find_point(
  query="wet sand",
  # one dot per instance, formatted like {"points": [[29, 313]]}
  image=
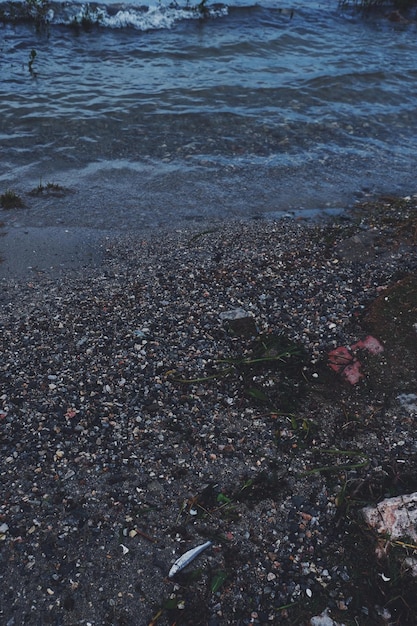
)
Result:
{"points": [[25, 251]]}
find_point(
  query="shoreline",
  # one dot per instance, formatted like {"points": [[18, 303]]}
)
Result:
{"points": [[137, 424], [27, 249]]}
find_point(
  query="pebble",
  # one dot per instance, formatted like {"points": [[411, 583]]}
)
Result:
{"points": [[114, 439]]}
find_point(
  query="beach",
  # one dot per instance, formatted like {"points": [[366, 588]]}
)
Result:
{"points": [[168, 388]]}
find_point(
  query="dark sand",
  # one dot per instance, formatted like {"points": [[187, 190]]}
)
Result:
{"points": [[135, 424]]}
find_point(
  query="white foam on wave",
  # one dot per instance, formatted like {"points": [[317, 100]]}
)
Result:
{"points": [[170, 6], [140, 18], [153, 18], [210, 4]]}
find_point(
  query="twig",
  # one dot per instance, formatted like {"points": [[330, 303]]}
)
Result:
{"points": [[145, 536]]}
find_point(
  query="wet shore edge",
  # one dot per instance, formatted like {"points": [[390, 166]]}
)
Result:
{"points": [[51, 250], [27, 251]]}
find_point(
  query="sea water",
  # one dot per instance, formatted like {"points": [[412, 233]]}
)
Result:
{"points": [[150, 114]]}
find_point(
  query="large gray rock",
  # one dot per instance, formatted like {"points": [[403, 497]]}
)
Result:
{"points": [[239, 322]]}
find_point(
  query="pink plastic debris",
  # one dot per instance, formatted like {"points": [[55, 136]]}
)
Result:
{"points": [[371, 344], [352, 373], [339, 358]]}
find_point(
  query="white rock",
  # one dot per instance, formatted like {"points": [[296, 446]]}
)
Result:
{"points": [[411, 565], [324, 620], [408, 401], [395, 517], [234, 314]]}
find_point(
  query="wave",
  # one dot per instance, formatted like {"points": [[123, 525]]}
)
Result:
{"points": [[148, 15], [116, 16]]}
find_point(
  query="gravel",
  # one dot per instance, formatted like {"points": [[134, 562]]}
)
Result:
{"points": [[137, 423]]}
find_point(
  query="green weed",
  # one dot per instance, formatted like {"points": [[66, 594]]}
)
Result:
{"points": [[31, 61], [217, 581], [11, 200], [48, 188], [275, 351], [337, 467]]}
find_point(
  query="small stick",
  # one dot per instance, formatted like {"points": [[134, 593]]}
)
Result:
{"points": [[145, 536]]}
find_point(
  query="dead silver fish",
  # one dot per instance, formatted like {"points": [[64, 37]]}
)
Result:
{"points": [[187, 557]]}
